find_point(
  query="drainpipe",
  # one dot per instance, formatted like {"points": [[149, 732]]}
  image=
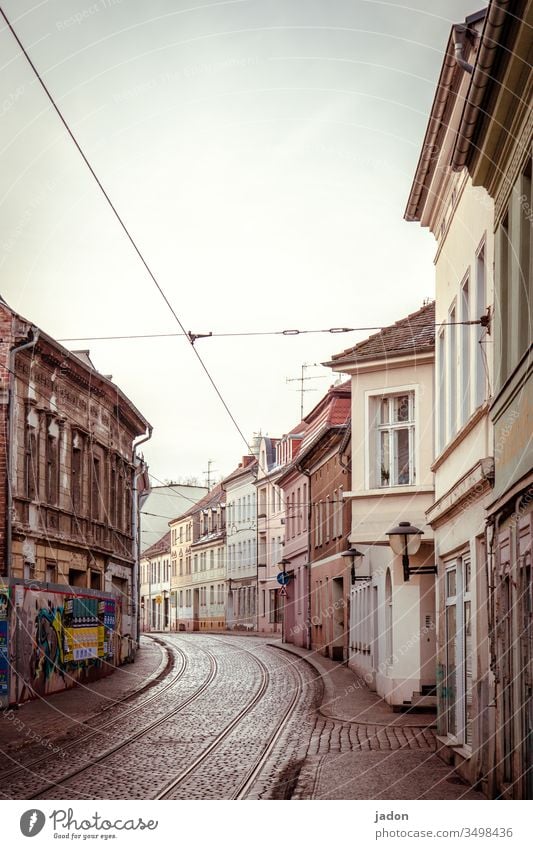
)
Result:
{"points": [[459, 33], [492, 536], [10, 462], [307, 474], [137, 536], [34, 331]]}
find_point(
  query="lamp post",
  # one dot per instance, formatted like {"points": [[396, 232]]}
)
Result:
{"points": [[350, 555], [405, 539]]}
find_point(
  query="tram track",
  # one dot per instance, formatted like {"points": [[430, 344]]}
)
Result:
{"points": [[210, 766], [79, 740], [242, 791], [245, 785], [137, 735]]}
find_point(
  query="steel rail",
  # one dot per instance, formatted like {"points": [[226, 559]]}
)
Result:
{"points": [[246, 785], [169, 665], [132, 738], [258, 695]]}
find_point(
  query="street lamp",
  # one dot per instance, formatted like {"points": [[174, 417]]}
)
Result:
{"points": [[351, 554], [405, 539]]}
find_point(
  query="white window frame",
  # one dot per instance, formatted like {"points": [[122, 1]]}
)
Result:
{"points": [[371, 457], [459, 600]]}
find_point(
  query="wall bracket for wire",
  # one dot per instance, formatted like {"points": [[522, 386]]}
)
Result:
{"points": [[486, 319], [194, 336]]}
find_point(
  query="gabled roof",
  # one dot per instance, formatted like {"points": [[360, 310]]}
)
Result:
{"points": [[162, 546], [414, 334], [249, 465], [212, 499], [331, 414], [439, 126]]}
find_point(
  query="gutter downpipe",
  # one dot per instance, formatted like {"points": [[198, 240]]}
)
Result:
{"points": [[492, 536], [10, 446], [459, 33], [137, 537], [481, 78], [307, 474], [10, 468]]}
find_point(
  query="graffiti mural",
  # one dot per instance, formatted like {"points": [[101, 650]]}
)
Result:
{"points": [[62, 639]]}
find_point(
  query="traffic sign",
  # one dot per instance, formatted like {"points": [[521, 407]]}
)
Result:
{"points": [[283, 578], [282, 591]]}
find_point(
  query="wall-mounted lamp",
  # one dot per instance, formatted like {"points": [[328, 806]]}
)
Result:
{"points": [[350, 555], [404, 540]]}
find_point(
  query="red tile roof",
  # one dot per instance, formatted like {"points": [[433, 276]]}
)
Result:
{"points": [[214, 497], [411, 335], [332, 412], [160, 547], [249, 464]]}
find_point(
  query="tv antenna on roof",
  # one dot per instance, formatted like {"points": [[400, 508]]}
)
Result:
{"points": [[303, 377]]}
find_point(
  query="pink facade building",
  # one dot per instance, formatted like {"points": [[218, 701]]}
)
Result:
{"points": [[317, 527]]}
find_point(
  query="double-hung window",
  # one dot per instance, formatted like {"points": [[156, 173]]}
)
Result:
{"points": [[393, 440]]}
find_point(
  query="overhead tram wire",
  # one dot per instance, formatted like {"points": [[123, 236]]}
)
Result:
{"points": [[191, 337], [213, 335], [188, 336]]}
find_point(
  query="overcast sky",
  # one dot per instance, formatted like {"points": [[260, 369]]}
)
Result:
{"points": [[260, 151]]}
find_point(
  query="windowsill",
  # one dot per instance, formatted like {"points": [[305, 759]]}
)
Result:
{"points": [[390, 490], [460, 748]]}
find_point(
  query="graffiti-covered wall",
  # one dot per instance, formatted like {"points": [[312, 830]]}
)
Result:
{"points": [[61, 638]]}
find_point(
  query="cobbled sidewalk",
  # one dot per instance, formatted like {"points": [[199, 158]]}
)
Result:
{"points": [[43, 723], [361, 749]]}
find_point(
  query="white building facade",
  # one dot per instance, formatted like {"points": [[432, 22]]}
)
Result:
{"points": [[241, 546], [155, 586], [460, 217], [392, 620]]}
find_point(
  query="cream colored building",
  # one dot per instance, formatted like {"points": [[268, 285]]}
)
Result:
{"points": [[392, 620], [180, 572], [460, 217], [155, 586], [198, 565]]}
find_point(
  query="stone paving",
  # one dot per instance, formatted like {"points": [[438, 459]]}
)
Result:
{"points": [[184, 729], [225, 716], [27, 730], [367, 751]]}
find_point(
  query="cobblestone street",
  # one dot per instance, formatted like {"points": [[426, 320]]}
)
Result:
{"points": [[222, 717], [227, 718]]}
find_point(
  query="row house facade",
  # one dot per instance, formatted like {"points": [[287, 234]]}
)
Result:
{"points": [[69, 552], [392, 609], [155, 586], [241, 546], [481, 123], [162, 504], [200, 591], [316, 529], [460, 216], [181, 534], [274, 455]]}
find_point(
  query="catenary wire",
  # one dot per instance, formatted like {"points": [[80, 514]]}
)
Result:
{"points": [[123, 225], [214, 335]]}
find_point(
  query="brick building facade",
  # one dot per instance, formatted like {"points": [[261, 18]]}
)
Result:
{"points": [[68, 514]]}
